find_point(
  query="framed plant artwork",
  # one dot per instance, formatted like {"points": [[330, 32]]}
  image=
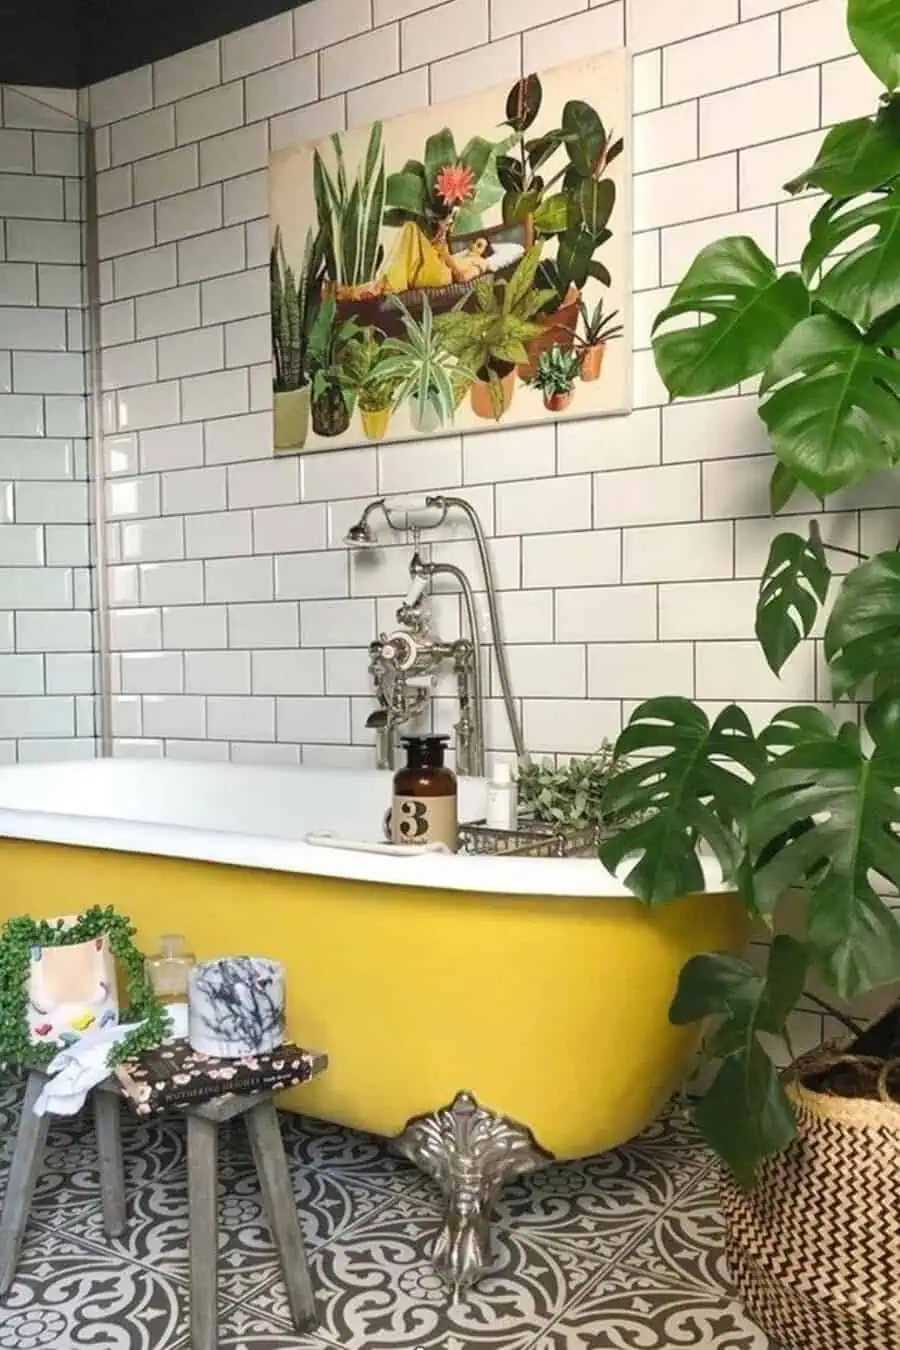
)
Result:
{"points": [[456, 268]]}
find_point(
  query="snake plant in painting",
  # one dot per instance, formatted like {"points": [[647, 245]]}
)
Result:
{"points": [[293, 309], [350, 217], [804, 805]]}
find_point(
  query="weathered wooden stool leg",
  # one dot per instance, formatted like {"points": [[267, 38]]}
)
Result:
{"points": [[203, 1146], [23, 1172], [275, 1183], [107, 1124]]}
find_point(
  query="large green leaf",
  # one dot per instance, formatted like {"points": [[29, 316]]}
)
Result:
{"points": [[689, 784], [524, 103], [856, 156], [585, 136], [553, 213], [596, 200], [875, 29], [745, 1114], [862, 636], [488, 191], [782, 486], [573, 257], [750, 310], [793, 587], [475, 154], [825, 816], [407, 192], [832, 405], [864, 283]]}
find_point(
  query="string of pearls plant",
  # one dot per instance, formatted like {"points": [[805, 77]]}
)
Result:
{"points": [[21, 934]]}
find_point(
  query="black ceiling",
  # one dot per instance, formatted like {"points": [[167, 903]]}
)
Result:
{"points": [[71, 43]]}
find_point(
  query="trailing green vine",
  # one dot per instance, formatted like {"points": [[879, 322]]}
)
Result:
{"points": [[20, 935]]}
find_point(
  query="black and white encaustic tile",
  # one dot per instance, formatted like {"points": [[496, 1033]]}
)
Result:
{"points": [[619, 1252]]}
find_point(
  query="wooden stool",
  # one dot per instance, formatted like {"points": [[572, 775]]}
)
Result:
{"points": [[203, 1123]]}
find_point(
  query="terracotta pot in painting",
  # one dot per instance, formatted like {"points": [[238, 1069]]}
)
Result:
{"points": [[592, 362], [483, 398], [558, 331], [291, 419], [557, 403]]}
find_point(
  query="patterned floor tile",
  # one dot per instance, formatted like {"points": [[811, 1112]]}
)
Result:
{"points": [[156, 1233], [625, 1310], [602, 1205], [619, 1252], [66, 1297], [243, 1329], [684, 1244], [319, 1144], [376, 1288]]}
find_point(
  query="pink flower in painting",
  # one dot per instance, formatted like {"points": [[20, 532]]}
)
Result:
{"points": [[455, 184]]}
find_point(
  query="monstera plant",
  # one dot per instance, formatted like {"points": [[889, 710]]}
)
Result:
{"points": [[811, 804]]}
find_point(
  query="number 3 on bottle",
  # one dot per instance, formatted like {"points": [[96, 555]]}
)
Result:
{"points": [[415, 819]]}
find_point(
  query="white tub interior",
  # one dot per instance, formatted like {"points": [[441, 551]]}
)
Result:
{"points": [[281, 803]]}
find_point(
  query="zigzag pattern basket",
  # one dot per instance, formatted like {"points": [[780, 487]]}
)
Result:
{"points": [[815, 1249]]}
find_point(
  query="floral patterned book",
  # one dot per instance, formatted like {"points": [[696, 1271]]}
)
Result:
{"points": [[172, 1074]]}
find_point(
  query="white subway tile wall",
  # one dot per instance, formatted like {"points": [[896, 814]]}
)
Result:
{"points": [[625, 549], [46, 628]]}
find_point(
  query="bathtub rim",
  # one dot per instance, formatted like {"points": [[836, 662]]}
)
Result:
{"points": [[584, 878]]}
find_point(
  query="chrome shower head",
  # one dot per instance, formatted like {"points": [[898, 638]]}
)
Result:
{"points": [[361, 535]]}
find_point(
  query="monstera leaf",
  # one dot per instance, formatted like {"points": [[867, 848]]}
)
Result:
{"points": [[825, 816], [841, 420], [864, 283], [875, 29], [862, 636], [749, 311], [689, 784], [856, 156], [793, 587], [745, 1114]]}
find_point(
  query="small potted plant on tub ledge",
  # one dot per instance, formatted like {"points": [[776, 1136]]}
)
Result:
{"points": [[804, 813], [555, 377]]}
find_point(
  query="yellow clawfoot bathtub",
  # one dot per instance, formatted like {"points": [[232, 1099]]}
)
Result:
{"points": [[536, 986]]}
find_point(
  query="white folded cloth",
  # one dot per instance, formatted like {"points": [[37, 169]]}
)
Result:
{"points": [[79, 1068], [324, 839]]}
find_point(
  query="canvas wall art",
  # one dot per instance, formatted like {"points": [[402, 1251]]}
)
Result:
{"points": [[457, 268]]}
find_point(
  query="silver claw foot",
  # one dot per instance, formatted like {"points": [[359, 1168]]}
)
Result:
{"points": [[471, 1153]]}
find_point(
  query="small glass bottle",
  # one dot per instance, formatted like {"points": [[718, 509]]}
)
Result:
{"points": [[502, 798], [424, 807], [169, 969]]}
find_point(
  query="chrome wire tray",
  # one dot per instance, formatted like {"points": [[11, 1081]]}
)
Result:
{"points": [[531, 839]]}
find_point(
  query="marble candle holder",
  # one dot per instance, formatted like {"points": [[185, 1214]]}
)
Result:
{"points": [[236, 1007]]}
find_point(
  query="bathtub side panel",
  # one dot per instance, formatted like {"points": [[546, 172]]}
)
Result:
{"points": [[553, 1011]]}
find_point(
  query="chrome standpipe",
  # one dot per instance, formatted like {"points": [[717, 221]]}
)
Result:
{"points": [[395, 709]]}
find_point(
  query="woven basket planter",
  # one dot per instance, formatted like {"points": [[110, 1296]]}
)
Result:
{"points": [[815, 1249]]}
